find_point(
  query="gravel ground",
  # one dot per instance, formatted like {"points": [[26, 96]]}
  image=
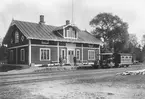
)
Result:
{"points": [[109, 87]]}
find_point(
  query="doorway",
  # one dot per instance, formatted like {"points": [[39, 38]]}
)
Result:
{"points": [[70, 56]]}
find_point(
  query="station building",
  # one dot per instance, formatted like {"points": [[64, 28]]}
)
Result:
{"points": [[39, 43]]}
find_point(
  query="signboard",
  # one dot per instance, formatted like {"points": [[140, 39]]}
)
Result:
{"points": [[44, 42], [62, 43], [91, 45], [78, 45]]}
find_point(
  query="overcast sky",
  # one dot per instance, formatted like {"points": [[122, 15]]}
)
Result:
{"points": [[57, 11]]}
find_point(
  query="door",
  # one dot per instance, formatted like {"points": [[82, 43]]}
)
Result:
{"points": [[70, 56]]}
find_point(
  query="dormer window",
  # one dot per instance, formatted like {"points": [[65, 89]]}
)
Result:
{"points": [[70, 33], [16, 37]]}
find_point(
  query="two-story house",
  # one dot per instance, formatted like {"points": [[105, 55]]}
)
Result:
{"points": [[39, 43]]}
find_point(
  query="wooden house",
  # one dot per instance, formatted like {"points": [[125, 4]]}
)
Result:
{"points": [[38, 43]]}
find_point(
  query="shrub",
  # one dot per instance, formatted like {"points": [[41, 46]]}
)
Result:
{"points": [[96, 64]]}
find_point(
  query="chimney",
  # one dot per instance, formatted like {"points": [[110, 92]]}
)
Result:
{"points": [[67, 22], [41, 19]]}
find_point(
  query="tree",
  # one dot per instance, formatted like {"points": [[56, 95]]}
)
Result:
{"points": [[133, 40], [143, 40], [143, 48], [131, 44], [112, 29], [134, 47]]}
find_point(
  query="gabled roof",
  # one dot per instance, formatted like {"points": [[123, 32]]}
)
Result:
{"points": [[46, 32], [64, 26]]}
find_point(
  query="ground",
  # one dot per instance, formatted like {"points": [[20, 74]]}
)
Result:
{"points": [[95, 84]]}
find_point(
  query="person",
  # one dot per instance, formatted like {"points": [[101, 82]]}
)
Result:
{"points": [[60, 60], [75, 60]]}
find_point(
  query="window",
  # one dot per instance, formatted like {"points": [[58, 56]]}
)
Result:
{"points": [[22, 54], [11, 55], [70, 33], [11, 41], [44, 54], [91, 55], [22, 38], [16, 37], [78, 54], [63, 53]]}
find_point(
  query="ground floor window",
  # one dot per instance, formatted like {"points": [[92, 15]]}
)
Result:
{"points": [[78, 54], [63, 53], [11, 55], [44, 54], [22, 54], [91, 55]]}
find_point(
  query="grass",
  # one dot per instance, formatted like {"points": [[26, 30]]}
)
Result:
{"points": [[5, 68]]}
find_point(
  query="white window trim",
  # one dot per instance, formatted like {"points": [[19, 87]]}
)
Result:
{"points": [[17, 39], [79, 53], [11, 55], [89, 54], [22, 57], [64, 52], [49, 54], [67, 35]]}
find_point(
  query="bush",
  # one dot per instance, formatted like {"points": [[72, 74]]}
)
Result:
{"points": [[96, 64]]}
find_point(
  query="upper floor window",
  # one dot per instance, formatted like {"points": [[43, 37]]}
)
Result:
{"points": [[70, 33], [16, 37]]}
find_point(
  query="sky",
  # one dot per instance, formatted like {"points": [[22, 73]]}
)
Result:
{"points": [[56, 12]]}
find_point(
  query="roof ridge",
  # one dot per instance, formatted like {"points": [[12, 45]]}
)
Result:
{"points": [[33, 22]]}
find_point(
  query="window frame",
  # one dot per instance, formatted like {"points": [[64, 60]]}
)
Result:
{"points": [[89, 54], [11, 55], [78, 50], [17, 36], [64, 53], [46, 54], [22, 53], [75, 34]]}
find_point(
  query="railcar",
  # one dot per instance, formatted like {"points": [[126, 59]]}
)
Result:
{"points": [[109, 60]]}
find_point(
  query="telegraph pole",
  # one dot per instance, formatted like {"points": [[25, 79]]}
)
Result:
{"points": [[72, 11]]}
